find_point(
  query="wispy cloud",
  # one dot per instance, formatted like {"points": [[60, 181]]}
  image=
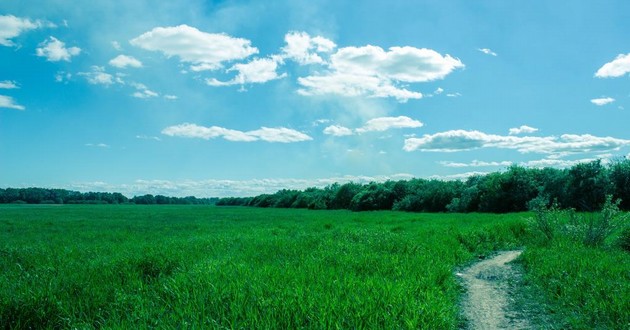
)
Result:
{"points": [[487, 51], [280, 134], [602, 101], [523, 129], [8, 84], [12, 26], [97, 145], [475, 163], [461, 140], [98, 76], [9, 102], [226, 188], [379, 124], [336, 130]]}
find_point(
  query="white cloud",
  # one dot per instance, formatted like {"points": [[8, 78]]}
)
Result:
{"points": [[55, 50], [11, 27], [374, 72], [8, 84], [461, 140], [124, 61], [336, 130], [475, 163], [602, 101], [487, 51], [523, 129], [615, 68], [170, 97], [302, 48], [353, 85], [97, 145], [257, 71], [458, 177], [98, 76], [143, 92], [204, 51], [226, 188], [62, 76], [281, 134], [453, 95], [146, 137], [386, 123], [8, 102], [439, 91], [116, 45]]}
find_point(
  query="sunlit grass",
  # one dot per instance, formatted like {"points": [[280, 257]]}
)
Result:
{"points": [[184, 266]]}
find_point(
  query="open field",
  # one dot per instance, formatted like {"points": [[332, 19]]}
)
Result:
{"points": [[197, 266]]}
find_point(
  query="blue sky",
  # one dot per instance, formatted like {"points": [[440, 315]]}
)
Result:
{"points": [[229, 98]]}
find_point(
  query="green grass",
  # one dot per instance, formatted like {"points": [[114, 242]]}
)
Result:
{"points": [[187, 266], [132, 266]]}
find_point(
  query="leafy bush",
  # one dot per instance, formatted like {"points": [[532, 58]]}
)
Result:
{"points": [[592, 229], [624, 239]]}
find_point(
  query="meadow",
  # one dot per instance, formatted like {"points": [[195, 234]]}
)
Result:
{"points": [[177, 266]]}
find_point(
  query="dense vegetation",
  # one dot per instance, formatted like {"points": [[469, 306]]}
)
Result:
{"points": [[130, 266], [583, 187], [63, 196]]}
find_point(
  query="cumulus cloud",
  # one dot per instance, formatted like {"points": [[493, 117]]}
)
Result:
{"points": [[202, 50], [55, 50], [487, 51], [461, 140], [374, 72], [9, 102], [602, 101], [336, 130], [98, 76], [124, 61], [615, 68], [523, 129], [8, 84], [11, 27], [304, 49], [257, 71], [280, 134]]}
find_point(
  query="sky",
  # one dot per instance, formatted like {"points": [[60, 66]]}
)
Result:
{"points": [[239, 98]]}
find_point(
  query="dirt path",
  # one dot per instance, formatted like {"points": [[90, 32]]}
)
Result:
{"points": [[488, 303]]}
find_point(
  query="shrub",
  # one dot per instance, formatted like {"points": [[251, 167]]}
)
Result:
{"points": [[624, 239]]}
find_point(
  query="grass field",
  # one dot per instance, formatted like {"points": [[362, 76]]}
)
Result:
{"points": [[206, 267]]}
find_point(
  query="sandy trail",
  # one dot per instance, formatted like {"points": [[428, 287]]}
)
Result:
{"points": [[488, 303]]}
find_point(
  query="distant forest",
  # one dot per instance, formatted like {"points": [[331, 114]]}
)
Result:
{"points": [[62, 196], [583, 187]]}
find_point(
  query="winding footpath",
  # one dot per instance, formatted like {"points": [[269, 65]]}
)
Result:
{"points": [[488, 303]]}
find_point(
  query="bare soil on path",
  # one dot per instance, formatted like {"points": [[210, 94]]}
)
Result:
{"points": [[489, 301]]}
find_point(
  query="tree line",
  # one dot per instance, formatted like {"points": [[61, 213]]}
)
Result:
{"points": [[63, 196], [583, 187]]}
